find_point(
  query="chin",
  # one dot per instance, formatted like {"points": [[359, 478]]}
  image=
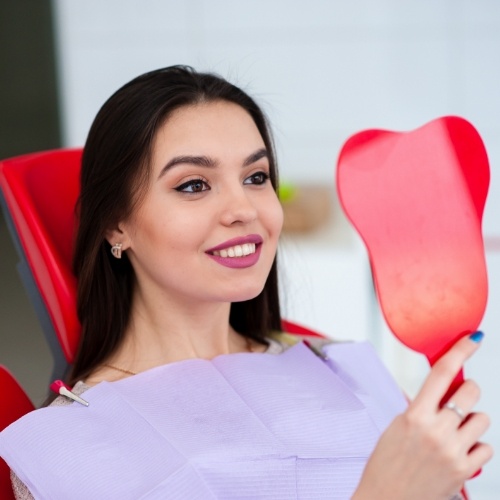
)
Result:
{"points": [[246, 294]]}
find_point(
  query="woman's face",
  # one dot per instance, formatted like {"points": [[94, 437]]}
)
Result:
{"points": [[208, 227]]}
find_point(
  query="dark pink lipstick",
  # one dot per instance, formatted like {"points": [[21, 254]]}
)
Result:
{"points": [[252, 242]]}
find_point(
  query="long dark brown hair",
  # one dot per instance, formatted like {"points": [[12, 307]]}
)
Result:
{"points": [[114, 177]]}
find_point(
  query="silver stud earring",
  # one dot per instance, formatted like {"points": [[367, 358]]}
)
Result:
{"points": [[116, 250]]}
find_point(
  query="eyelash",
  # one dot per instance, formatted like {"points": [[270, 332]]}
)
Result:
{"points": [[190, 184], [259, 178], [264, 175]]}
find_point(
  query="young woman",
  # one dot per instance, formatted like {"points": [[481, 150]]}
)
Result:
{"points": [[193, 390]]}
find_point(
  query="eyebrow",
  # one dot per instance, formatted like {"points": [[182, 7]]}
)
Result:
{"points": [[255, 157], [207, 162]]}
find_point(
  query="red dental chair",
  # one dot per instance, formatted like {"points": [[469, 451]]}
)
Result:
{"points": [[38, 194], [14, 403]]}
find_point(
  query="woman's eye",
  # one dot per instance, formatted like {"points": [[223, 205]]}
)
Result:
{"points": [[193, 186], [257, 178]]}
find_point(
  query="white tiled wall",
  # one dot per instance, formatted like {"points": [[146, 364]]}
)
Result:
{"points": [[323, 69]]}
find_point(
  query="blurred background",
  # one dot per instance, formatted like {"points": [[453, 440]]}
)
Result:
{"points": [[323, 70]]}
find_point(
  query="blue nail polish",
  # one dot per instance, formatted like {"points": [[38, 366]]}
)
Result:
{"points": [[476, 336]]}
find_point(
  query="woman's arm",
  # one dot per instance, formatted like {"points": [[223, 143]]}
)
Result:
{"points": [[428, 451]]}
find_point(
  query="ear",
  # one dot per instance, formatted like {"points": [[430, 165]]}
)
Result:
{"points": [[118, 235]]}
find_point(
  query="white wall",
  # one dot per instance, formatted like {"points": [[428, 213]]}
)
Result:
{"points": [[323, 69]]}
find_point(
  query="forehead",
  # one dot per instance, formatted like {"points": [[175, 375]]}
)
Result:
{"points": [[208, 128]]}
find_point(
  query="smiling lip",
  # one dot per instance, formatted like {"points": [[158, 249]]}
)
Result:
{"points": [[241, 240], [238, 262]]}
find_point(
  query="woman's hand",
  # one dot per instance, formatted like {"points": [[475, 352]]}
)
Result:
{"points": [[429, 452]]}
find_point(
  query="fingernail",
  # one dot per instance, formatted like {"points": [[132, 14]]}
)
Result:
{"points": [[476, 336]]}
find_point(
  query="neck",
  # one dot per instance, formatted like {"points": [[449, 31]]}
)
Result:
{"points": [[165, 329], [175, 331]]}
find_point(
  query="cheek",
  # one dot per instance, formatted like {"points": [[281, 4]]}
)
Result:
{"points": [[178, 233], [154, 234], [274, 216]]}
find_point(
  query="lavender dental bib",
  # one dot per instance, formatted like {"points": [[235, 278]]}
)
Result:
{"points": [[254, 426]]}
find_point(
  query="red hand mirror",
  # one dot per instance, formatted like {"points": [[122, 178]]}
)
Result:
{"points": [[417, 199]]}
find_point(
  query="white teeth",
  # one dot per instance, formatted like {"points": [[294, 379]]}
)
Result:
{"points": [[236, 251]]}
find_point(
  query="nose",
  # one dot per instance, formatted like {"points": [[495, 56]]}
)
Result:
{"points": [[237, 207]]}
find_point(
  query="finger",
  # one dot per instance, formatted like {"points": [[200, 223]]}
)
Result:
{"points": [[478, 456], [445, 369], [462, 402], [473, 428]]}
